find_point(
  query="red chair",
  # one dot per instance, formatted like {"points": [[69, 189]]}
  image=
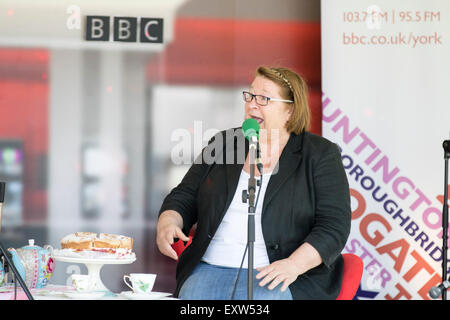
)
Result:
{"points": [[353, 270]]}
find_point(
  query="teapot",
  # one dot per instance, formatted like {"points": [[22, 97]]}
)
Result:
{"points": [[34, 264], [2, 274]]}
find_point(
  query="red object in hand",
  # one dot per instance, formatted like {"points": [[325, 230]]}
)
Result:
{"points": [[179, 245]]}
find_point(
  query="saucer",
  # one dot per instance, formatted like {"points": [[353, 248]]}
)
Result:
{"points": [[84, 295], [144, 296]]}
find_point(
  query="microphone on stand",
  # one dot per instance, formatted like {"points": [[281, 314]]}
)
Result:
{"points": [[436, 292], [446, 145], [441, 289], [250, 127]]}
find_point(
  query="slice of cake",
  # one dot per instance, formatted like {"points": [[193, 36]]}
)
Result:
{"points": [[107, 241], [78, 241], [126, 242], [91, 241]]}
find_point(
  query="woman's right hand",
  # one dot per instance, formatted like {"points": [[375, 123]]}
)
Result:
{"points": [[168, 228]]}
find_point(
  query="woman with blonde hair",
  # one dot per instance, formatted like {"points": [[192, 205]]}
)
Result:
{"points": [[302, 218]]}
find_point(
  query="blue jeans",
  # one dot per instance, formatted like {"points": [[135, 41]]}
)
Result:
{"points": [[210, 282]]}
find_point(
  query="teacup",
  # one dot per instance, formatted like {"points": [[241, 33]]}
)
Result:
{"points": [[82, 282], [140, 282]]}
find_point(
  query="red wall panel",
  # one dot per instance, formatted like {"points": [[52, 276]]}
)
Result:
{"points": [[24, 116], [227, 52]]}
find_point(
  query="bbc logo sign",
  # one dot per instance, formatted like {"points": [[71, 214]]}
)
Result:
{"points": [[125, 29]]}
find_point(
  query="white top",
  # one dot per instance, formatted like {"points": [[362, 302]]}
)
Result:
{"points": [[229, 242]]}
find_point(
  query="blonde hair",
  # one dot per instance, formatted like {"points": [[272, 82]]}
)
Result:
{"points": [[292, 87]]}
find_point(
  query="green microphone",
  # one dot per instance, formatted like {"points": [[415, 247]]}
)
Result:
{"points": [[250, 127]]}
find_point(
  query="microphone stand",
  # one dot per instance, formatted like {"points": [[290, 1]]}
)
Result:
{"points": [[446, 146], [441, 289], [249, 195], [5, 255], [251, 218], [17, 278]]}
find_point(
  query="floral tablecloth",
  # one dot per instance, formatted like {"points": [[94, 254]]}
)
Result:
{"points": [[55, 291], [61, 292]]}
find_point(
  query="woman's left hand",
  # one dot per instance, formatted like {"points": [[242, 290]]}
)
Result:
{"points": [[284, 270]]}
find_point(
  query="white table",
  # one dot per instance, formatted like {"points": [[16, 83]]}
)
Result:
{"points": [[62, 292]]}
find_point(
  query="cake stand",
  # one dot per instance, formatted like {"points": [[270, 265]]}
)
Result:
{"points": [[94, 267]]}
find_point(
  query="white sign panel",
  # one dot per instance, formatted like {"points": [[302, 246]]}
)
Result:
{"points": [[386, 103]]}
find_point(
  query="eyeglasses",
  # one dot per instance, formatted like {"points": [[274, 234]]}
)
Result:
{"points": [[261, 100]]}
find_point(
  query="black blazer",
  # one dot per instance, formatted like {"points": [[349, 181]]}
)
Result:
{"points": [[307, 200]]}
